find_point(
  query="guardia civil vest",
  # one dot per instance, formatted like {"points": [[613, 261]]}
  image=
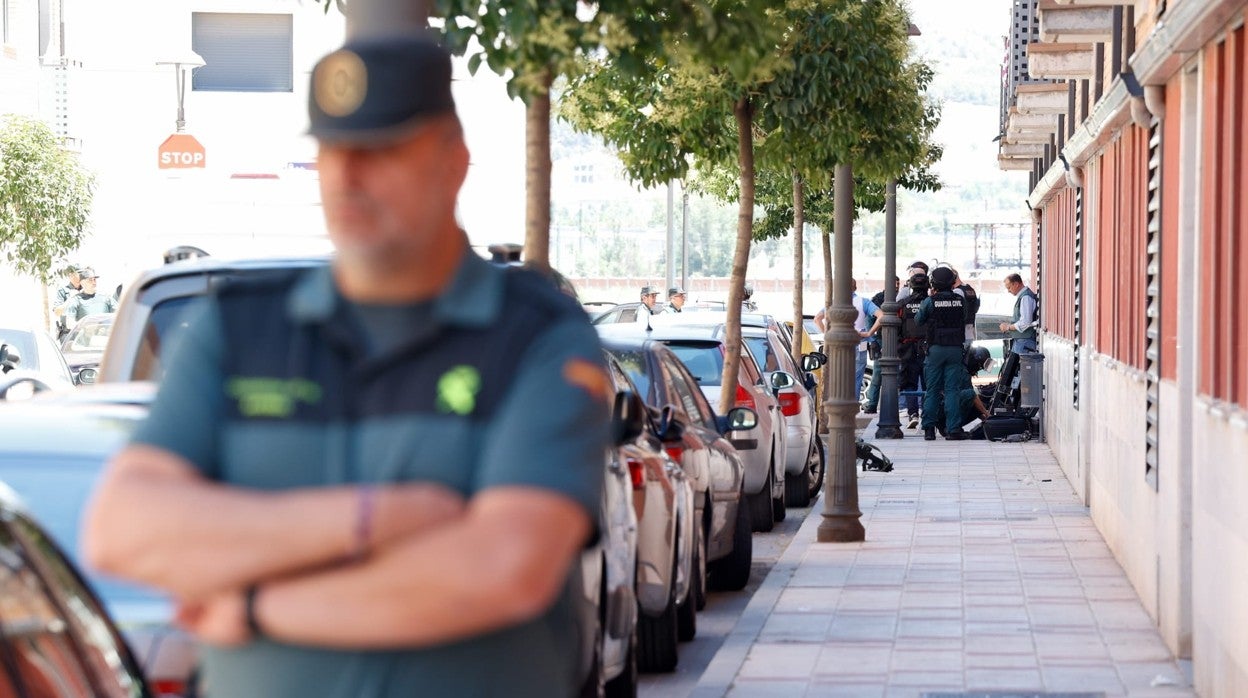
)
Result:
{"points": [[946, 324]]}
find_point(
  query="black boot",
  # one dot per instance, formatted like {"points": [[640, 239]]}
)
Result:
{"points": [[957, 435], [929, 433]]}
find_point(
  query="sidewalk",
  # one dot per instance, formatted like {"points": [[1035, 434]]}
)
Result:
{"points": [[981, 573]]}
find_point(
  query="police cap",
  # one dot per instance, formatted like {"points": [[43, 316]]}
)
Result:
{"points": [[375, 91], [649, 291], [942, 278], [87, 273], [675, 291]]}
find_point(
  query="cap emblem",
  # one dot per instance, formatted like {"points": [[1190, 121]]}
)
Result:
{"points": [[340, 83]]}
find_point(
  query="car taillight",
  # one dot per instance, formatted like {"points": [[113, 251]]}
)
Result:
{"points": [[790, 404], [744, 397], [675, 452], [168, 687], [637, 471]]}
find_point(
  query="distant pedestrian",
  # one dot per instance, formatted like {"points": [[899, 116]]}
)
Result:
{"points": [[747, 294], [88, 301], [874, 347], [675, 299], [1022, 326]]}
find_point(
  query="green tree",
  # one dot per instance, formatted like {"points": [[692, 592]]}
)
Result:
{"points": [[534, 43], [45, 198]]}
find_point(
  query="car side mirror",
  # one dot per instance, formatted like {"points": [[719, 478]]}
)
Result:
{"points": [[740, 419], [669, 428], [809, 381], [10, 357], [781, 380], [628, 419], [86, 376], [814, 360]]}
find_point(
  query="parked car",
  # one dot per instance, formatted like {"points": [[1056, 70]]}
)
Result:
{"points": [[694, 435], [58, 638], [762, 447], [30, 362], [55, 475], [663, 499], [804, 464], [84, 346]]}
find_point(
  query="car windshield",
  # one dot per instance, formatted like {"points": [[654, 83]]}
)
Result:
{"points": [[55, 490], [705, 360], [89, 335]]}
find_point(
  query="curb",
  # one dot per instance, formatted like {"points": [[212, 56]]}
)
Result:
{"points": [[728, 660]]}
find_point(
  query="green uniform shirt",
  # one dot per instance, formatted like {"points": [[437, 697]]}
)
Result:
{"points": [[461, 402]]}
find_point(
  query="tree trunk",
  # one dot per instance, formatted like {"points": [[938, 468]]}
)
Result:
{"points": [[744, 113], [537, 176], [827, 265], [799, 252]]}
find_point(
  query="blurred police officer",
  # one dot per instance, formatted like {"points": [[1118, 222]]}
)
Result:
{"points": [[73, 284], [371, 479], [912, 342], [944, 371], [747, 294], [650, 300], [88, 301], [675, 299]]}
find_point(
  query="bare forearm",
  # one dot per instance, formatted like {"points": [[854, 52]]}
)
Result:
{"points": [[469, 578], [192, 537]]}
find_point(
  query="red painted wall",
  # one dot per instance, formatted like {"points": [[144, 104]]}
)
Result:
{"points": [[1170, 174]]}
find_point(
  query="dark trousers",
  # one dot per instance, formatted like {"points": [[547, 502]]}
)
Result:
{"points": [[944, 367]]}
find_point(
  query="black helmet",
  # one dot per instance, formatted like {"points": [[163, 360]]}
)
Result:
{"points": [[978, 359], [943, 278]]}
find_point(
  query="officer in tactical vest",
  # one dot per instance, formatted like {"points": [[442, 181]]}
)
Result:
{"points": [[912, 346], [944, 313], [1022, 326]]}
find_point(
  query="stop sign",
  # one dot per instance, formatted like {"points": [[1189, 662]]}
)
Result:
{"points": [[180, 151]]}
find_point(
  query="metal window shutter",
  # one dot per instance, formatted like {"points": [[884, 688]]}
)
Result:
{"points": [[243, 52]]}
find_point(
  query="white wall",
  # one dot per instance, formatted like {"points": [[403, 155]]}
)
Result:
{"points": [[1220, 551], [1063, 425]]}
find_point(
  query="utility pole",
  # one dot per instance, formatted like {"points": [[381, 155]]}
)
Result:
{"points": [[684, 239], [671, 234]]}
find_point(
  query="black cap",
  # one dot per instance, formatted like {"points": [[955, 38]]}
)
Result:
{"points": [[942, 278], [374, 91]]}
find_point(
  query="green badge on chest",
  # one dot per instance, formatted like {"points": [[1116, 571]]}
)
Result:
{"points": [[272, 397], [457, 390]]}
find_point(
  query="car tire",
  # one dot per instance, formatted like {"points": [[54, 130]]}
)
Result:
{"points": [[762, 518], [797, 487], [687, 616], [625, 685], [817, 469], [777, 503], [732, 572], [657, 637]]}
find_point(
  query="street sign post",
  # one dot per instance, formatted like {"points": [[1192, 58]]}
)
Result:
{"points": [[181, 151]]}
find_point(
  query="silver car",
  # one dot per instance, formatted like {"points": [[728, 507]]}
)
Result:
{"points": [[762, 448]]}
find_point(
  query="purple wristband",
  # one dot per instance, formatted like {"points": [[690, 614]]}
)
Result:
{"points": [[364, 521]]}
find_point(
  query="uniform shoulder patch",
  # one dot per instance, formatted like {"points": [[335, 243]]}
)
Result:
{"points": [[589, 377]]}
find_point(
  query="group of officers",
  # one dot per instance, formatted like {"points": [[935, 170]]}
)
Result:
{"points": [[78, 298], [938, 358]]}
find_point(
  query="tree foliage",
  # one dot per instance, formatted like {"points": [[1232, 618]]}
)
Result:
{"points": [[45, 197]]}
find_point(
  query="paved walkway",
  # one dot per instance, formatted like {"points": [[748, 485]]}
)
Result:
{"points": [[981, 573]]}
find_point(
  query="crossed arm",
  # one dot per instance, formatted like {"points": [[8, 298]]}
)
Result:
{"points": [[157, 521]]}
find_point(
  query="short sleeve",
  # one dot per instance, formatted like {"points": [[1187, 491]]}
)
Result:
{"points": [[186, 414], [552, 429]]}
